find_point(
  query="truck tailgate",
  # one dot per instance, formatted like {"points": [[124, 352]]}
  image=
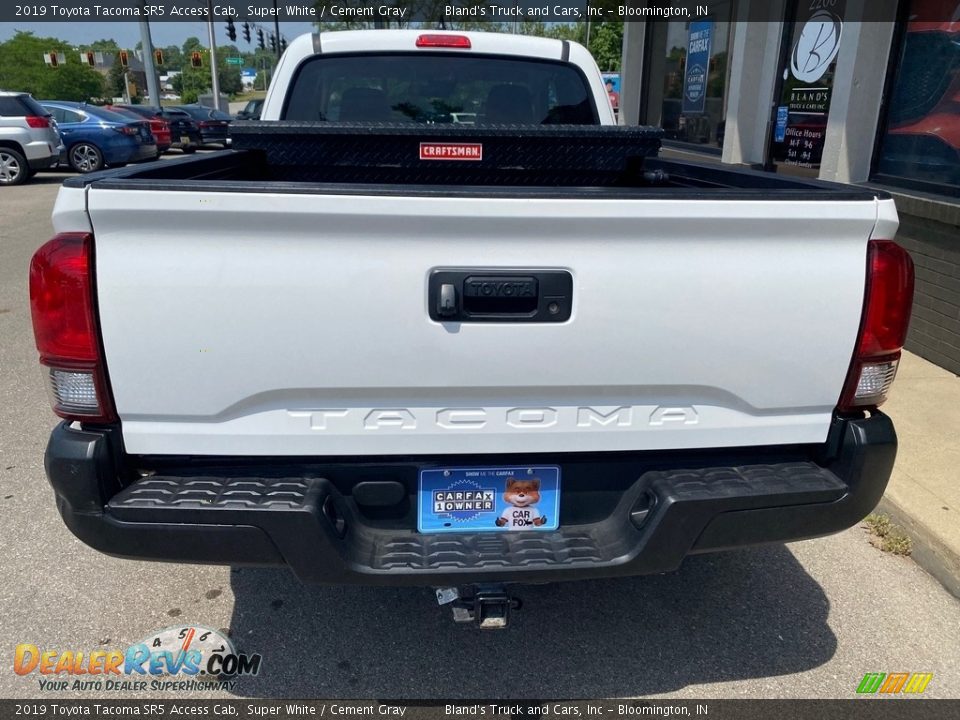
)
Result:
{"points": [[297, 324]]}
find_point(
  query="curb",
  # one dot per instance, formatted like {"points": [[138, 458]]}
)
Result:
{"points": [[929, 551]]}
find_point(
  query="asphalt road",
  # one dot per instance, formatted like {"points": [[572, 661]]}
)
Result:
{"points": [[805, 620]]}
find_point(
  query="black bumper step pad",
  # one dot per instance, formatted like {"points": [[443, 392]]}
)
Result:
{"points": [[295, 514]]}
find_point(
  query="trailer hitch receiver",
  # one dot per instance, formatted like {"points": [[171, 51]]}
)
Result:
{"points": [[485, 606]]}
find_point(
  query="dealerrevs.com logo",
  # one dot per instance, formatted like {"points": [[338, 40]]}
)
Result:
{"points": [[174, 658]]}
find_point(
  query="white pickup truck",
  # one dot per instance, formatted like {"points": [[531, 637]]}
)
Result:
{"points": [[436, 320]]}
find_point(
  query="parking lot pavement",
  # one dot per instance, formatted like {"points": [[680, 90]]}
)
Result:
{"points": [[805, 620]]}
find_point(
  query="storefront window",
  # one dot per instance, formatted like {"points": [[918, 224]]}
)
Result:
{"points": [[921, 144], [806, 87], [691, 58]]}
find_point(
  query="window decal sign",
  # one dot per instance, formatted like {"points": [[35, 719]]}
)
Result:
{"points": [[804, 103], [698, 66]]}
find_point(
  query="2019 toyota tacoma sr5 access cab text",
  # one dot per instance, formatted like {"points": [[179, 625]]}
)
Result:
{"points": [[379, 345]]}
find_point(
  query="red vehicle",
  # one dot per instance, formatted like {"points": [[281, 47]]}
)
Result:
{"points": [[924, 132], [159, 128]]}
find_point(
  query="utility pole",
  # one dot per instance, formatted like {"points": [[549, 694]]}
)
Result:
{"points": [[276, 27], [215, 80], [153, 87]]}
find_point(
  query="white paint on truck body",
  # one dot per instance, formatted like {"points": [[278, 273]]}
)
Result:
{"points": [[270, 323], [296, 324]]}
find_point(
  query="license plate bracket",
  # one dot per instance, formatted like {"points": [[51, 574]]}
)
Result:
{"points": [[501, 498]]}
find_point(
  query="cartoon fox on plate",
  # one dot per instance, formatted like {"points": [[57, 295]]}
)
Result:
{"points": [[521, 496]]}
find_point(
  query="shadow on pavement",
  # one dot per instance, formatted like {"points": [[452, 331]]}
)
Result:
{"points": [[748, 614], [52, 178]]}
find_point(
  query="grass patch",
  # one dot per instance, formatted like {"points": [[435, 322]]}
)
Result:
{"points": [[887, 536]]}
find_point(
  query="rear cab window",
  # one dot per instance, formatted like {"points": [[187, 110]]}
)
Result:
{"points": [[430, 88]]}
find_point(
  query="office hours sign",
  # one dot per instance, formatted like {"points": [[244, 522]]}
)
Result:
{"points": [[800, 128]]}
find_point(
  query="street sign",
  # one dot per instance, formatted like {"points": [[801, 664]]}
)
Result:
{"points": [[234, 61]]}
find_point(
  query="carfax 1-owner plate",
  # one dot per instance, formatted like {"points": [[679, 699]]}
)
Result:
{"points": [[489, 499]]}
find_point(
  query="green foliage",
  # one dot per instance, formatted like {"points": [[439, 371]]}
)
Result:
{"points": [[22, 67], [230, 82], [172, 59], [192, 82], [115, 79], [887, 536], [606, 44], [106, 46], [190, 45]]}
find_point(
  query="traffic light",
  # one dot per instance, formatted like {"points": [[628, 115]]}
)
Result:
{"points": [[89, 58], [273, 42], [283, 44], [158, 56], [124, 58], [260, 38], [196, 59], [246, 31], [231, 31]]}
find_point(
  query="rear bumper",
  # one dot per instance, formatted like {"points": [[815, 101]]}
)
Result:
{"points": [[43, 163], [621, 514]]}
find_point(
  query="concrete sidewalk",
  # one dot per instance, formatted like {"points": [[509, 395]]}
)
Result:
{"points": [[924, 493]]}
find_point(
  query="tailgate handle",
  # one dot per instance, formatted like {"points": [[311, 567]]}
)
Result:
{"points": [[477, 295], [500, 294]]}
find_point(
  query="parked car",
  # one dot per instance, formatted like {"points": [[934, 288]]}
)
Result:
{"points": [[29, 140], [214, 124], [159, 127], [520, 403], [94, 136], [923, 138], [184, 133], [251, 111]]}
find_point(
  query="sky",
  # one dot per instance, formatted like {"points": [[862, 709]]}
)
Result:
{"points": [[127, 34]]}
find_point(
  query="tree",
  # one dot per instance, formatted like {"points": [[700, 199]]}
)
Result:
{"points": [[74, 81], [606, 44], [22, 67], [191, 82], [192, 44], [116, 81], [106, 46], [172, 57], [230, 81]]}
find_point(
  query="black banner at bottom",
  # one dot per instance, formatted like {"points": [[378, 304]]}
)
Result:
{"points": [[857, 709]]}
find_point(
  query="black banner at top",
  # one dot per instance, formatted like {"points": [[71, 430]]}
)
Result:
{"points": [[432, 13]]}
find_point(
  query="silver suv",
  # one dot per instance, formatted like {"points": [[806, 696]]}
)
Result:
{"points": [[29, 139]]}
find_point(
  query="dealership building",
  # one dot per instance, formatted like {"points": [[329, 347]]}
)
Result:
{"points": [[850, 91]]}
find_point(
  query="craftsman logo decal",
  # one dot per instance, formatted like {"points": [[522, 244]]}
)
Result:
{"points": [[451, 151]]}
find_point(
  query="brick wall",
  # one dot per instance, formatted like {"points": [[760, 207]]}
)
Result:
{"points": [[935, 326]]}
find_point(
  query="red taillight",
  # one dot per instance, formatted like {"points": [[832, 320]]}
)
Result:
{"points": [[65, 328], [443, 41], [883, 328], [128, 129], [37, 121]]}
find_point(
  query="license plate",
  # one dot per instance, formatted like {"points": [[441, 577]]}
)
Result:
{"points": [[184, 140], [488, 499]]}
